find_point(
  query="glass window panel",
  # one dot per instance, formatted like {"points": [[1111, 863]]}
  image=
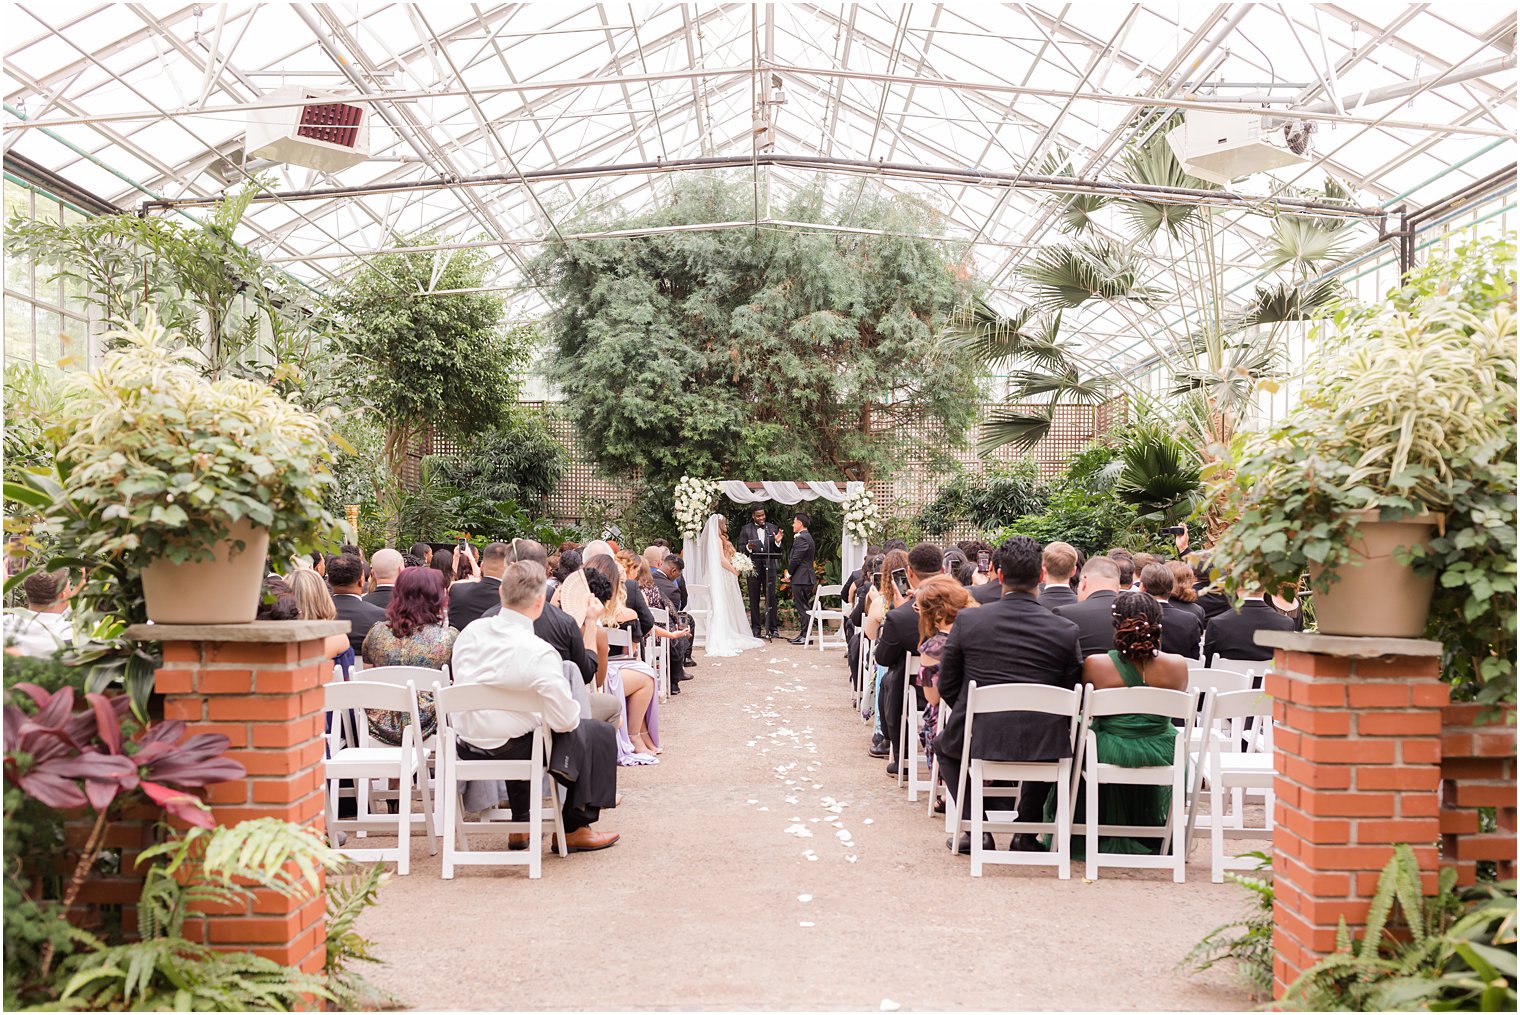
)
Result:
{"points": [[73, 297], [49, 334], [18, 274], [18, 329], [73, 344], [18, 200], [47, 209]]}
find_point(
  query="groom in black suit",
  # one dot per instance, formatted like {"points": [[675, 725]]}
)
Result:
{"points": [[757, 538], [800, 565]]}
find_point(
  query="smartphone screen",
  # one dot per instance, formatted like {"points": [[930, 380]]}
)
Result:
{"points": [[983, 561], [900, 581]]}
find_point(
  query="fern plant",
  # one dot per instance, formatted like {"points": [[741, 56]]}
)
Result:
{"points": [[346, 899], [1451, 952], [206, 868], [1247, 941]]}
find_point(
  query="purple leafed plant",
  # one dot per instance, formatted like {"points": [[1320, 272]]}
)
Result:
{"points": [[65, 758]]}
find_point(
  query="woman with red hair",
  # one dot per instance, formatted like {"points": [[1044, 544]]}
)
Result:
{"points": [[412, 634]]}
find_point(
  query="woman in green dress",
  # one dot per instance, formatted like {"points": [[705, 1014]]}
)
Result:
{"points": [[1136, 740]]}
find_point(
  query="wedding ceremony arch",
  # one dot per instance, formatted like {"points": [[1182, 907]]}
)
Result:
{"points": [[852, 544]]}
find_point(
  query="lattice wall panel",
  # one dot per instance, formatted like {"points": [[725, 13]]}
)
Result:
{"points": [[910, 490]]}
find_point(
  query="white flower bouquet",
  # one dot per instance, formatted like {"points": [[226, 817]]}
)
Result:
{"points": [[693, 498], [742, 563], [861, 518]]}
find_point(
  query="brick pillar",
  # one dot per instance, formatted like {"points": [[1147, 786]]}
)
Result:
{"points": [[1478, 770], [261, 685], [1358, 769]]}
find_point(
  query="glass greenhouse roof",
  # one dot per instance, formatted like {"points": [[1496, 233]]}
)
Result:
{"points": [[569, 107]]}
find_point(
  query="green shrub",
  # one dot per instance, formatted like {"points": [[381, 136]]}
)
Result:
{"points": [[987, 501], [1247, 941]]}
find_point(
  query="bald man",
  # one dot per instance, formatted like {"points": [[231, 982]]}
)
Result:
{"points": [[385, 565]]}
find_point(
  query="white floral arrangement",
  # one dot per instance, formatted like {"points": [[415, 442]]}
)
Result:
{"points": [[742, 563], [861, 518], [694, 498]]}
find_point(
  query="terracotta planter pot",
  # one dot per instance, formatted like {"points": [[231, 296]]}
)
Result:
{"points": [[225, 590], [1376, 596]]}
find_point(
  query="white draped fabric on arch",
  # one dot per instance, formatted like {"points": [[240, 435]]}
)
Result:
{"points": [[852, 552]]}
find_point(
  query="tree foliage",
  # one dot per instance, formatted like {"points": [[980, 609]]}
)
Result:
{"points": [[760, 351]]}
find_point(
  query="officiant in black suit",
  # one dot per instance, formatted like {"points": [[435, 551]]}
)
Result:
{"points": [[761, 541], [799, 564]]}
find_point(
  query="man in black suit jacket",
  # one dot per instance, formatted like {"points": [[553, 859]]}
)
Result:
{"points": [[1180, 629], [897, 640], [1011, 641], [468, 601], [1060, 562], [800, 566], [680, 648], [1233, 635], [756, 538], [1093, 612], [345, 575], [386, 567], [553, 625]]}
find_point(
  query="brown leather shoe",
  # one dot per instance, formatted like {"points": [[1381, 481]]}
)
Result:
{"points": [[517, 840], [585, 840]]}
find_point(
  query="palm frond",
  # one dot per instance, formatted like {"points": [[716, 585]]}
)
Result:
{"points": [[1307, 243], [1287, 302], [1159, 475], [1068, 275], [1155, 165], [1066, 385], [1006, 428], [1076, 210]]}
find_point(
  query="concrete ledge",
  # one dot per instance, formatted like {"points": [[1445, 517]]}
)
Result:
{"points": [[1343, 645], [265, 631]]}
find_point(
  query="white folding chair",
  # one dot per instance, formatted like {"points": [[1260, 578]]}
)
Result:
{"points": [[1157, 701], [982, 701], [423, 677], [865, 658], [817, 616], [909, 757], [698, 598], [1254, 667], [404, 764], [1229, 773], [450, 702], [659, 652], [619, 638]]}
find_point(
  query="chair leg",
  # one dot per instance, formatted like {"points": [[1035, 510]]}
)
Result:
{"points": [[427, 809], [1092, 815], [1062, 835], [535, 825], [976, 821], [404, 817], [1216, 831], [453, 824]]}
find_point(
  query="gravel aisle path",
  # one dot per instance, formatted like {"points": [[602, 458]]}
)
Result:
{"points": [[768, 862]]}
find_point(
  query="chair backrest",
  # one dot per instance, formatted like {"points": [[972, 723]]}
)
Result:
{"points": [[910, 666], [1240, 704], [661, 617], [1223, 681], [1156, 701], [1258, 667], [477, 697], [698, 597], [420, 676], [618, 637], [1022, 698], [831, 591], [370, 694]]}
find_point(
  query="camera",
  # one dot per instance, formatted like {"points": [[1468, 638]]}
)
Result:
{"points": [[900, 581], [1173, 530]]}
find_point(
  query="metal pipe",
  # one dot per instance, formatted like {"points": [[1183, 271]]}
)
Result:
{"points": [[1383, 94], [949, 174]]}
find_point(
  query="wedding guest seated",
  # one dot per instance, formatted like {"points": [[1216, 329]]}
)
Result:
{"points": [[412, 634], [1233, 635], [315, 602], [278, 602], [594, 597], [384, 566], [1012, 641], [881, 599], [644, 577], [412, 560], [504, 652], [44, 625], [1184, 596], [939, 601], [469, 601], [991, 590], [1092, 613], [1141, 562], [569, 562], [674, 568], [443, 562], [1126, 561], [423, 552], [1286, 602], [466, 566], [1135, 740], [1060, 562], [1181, 632], [1213, 601], [345, 577], [898, 639]]}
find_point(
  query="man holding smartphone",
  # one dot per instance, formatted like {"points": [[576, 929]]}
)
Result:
{"points": [[898, 639]]}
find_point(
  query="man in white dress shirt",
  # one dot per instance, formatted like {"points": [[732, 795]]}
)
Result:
{"points": [[503, 651], [44, 625]]}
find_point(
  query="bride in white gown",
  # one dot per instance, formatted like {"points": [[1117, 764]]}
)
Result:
{"points": [[727, 631]]}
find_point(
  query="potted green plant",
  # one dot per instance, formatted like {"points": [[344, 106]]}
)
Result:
{"points": [[1355, 483], [193, 480]]}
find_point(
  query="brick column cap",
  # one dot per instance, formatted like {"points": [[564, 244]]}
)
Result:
{"points": [[266, 631], [1343, 645]]}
